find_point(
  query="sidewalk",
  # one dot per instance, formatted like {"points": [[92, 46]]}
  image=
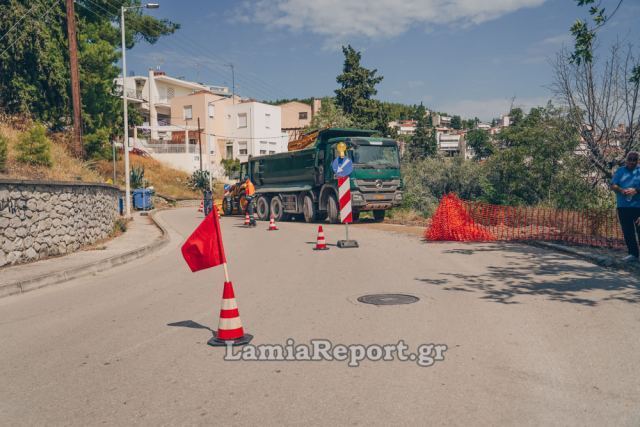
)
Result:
{"points": [[143, 236]]}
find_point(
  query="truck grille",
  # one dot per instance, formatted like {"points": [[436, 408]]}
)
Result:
{"points": [[378, 185]]}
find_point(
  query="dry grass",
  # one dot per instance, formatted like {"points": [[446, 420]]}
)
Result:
{"points": [[65, 167], [165, 180], [406, 217]]}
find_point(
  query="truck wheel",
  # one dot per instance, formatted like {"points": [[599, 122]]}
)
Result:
{"points": [[333, 212], [277, 209], [378, 215], [226, 207], [262, 208], [308, 209]]}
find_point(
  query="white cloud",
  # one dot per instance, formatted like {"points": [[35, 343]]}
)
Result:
{"points": [[487, 109], [339, 20]]}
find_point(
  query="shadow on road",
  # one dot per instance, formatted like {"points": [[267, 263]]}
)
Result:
{"points": [[191, 324], [534, 272]]}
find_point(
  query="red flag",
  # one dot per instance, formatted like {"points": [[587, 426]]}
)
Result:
{"points": [[204, 249]]}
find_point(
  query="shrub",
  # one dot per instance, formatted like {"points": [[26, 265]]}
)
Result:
{"points": [[199, 181], [3, 152], [34, 147], [136, 177]]}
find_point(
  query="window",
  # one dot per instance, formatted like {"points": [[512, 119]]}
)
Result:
{"points": [[272, 152], [188, 112], [263, 152], [267, 121], [242, 148], [229, 148], [242, 120], [212, 110], [302, 115]]}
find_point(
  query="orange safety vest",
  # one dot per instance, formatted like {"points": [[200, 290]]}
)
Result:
{"points": [[249, 188]]}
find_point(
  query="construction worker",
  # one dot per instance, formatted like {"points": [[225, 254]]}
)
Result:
{"points": [[249, 194]]}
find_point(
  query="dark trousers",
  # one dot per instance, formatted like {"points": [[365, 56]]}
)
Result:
{"points": [[250, 208], [631, 231]]}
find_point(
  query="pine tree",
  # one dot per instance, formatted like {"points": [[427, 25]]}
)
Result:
{"points": [[34, 147], [423, 143], [357, 88]]}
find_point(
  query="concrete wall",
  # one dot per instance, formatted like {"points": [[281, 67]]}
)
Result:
{"points": [[40, 219]]}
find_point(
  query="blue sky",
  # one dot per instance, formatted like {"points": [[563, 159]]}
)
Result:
{"points": [[467, 57]]}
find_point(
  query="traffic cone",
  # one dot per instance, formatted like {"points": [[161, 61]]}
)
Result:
{"points": [[201, 208], [230, 328], [272, 224], [246, 219], [321, 245]]}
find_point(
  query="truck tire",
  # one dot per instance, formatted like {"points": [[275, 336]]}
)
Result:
{"points": [[378, 215], [308, 209], [262, 208], [226, 207], [276, 207], [333, 211]]}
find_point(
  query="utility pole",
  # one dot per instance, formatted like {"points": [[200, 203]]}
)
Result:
{"points": [[200, 143], [233, 83], [75, 79]]}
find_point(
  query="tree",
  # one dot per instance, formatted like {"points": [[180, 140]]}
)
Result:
{"points": [[329, 116], [357, 87], [34, 70], [34, 148], [230, 166], [601, 92], [478, 140], [456, 122], [423, 143]]}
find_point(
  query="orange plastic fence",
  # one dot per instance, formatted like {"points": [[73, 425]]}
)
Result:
{"points": [[459, 220]]}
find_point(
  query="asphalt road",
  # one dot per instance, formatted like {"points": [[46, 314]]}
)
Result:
{"points": [[534, 337]]}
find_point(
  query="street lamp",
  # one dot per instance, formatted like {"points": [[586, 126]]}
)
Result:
{"points": [[127, 178]]}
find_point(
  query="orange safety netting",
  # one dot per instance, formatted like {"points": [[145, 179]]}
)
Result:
{"points": [[459, 220], [452, 222]]}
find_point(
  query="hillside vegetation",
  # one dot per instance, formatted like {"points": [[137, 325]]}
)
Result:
{"points": [[64, 167]]}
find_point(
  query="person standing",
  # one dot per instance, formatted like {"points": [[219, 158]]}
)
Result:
{"points": [[626, 184], [249, 194]]}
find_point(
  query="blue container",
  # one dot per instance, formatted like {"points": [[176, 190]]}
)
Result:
{"points": [[121, 205], [142, 199]]}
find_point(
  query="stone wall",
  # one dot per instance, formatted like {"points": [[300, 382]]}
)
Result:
{"points": [[43, 218]]}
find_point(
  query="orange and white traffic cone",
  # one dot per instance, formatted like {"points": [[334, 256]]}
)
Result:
{"points": [[201, 208], [272, 224], [247, 221], [230, 330], [321, 245]]}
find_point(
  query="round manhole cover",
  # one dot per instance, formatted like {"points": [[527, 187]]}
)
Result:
{"points": [[388, 299]]}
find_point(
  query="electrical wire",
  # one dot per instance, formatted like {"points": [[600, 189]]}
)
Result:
{"points": [[46, 19], [24, 15]]}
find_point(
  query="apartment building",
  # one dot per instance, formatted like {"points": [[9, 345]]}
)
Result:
{"points": [[297, 116], [253, 129]]}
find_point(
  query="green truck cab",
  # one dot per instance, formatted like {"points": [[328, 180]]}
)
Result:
{"points": [[302, 182]]}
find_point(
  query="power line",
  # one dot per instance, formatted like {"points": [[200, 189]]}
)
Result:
{"points": [[24, 15], [257, 86], [46, 19]]}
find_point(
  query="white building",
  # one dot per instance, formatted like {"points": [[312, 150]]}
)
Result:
{"points": [[450, 143], [253, 129]]}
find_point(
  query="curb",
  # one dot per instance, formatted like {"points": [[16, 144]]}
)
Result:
{"points": [[601, 260], [21, 286]]}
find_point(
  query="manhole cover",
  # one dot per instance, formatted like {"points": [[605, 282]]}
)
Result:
{"points": [[388, 299]]}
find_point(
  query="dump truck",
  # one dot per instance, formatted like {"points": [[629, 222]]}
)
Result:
{"points": [[302, 182]]}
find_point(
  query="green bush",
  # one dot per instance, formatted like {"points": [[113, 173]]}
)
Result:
{"points": [[97, 145], [199, 181], [34, 147], [3, 152]]}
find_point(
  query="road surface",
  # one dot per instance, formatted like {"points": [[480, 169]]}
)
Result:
{"points": [[533, 337]]}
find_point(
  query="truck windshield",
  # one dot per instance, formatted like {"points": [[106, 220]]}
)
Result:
{"points": [[375, 156]]}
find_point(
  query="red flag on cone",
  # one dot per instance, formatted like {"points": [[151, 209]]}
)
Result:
{"points": [[204, 249]]}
